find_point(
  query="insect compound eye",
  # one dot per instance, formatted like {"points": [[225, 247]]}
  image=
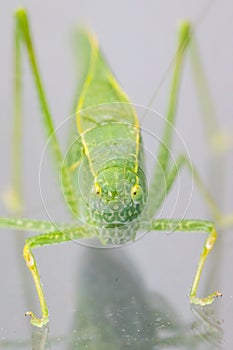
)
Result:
{"points": [[97, 189], [136, 193]]}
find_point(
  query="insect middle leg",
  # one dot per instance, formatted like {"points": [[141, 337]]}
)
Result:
{"points": [[182, 161]]}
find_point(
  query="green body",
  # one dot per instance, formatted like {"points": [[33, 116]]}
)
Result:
{"points": [[107, 178], [102, 174], [112, 188]]}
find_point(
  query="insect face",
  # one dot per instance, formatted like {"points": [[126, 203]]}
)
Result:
{"points": [[117, 197]]}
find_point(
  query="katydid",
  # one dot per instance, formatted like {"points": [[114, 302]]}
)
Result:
{"points": [[103, 178]]}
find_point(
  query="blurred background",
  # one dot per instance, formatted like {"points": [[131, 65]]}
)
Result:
{"points": [[135, 297]]}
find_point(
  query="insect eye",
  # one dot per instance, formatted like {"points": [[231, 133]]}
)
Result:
{"points": [[136, 193], [97, 189]]}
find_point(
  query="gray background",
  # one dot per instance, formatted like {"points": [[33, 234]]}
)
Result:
{"points": [[142, 288]]}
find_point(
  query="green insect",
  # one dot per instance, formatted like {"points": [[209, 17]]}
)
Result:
{"points": [[102, 175]]}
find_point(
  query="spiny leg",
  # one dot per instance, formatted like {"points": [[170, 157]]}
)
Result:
{"points": [[23, 39], [193, 226], [39, 241]]}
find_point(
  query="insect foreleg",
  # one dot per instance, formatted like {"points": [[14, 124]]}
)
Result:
{"points": [[193, 226], [42, 240]]}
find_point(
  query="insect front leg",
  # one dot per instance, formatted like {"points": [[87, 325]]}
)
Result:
{"points": [[193, 226], [42, 240], [31, 264]]}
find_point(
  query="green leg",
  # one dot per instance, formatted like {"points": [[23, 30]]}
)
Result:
{"points": [[13, 197], [157, 190], [156, 186], [39, 241], [193, 226], [23, 224], [222, 220], [56, 233], [183, 161], [219, 140], [31, 264], [183, 40], [23, 39]]}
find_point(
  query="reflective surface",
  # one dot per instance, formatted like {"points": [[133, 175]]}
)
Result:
{"points": [[115, 309], [135, 297]]}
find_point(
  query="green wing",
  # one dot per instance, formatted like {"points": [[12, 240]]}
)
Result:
{"points": [[100, 87]]}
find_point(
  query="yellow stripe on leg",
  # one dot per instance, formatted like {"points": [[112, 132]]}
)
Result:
{"points": [[209, 243], [31, 264]]}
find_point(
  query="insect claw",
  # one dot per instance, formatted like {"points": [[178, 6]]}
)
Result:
{"points": [[205, 301], [38, 322], [218, 294]]}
